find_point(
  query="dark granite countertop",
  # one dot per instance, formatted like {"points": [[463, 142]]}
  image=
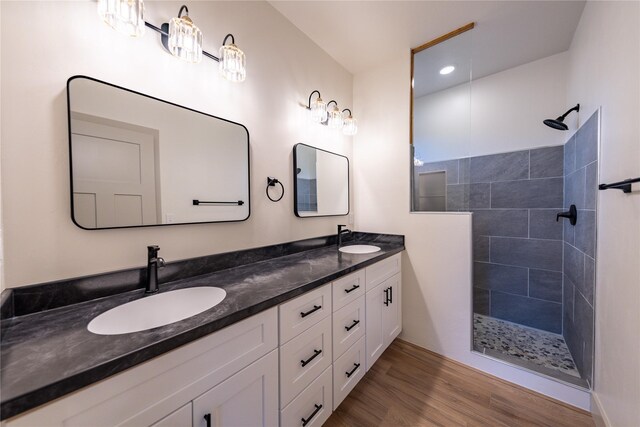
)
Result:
{"points": [[47, 354]]}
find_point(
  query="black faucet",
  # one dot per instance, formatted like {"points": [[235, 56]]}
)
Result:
{"points": [[341, 231], [153, 262]]}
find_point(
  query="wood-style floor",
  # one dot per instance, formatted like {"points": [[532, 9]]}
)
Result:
{"points": [[410, 386]]}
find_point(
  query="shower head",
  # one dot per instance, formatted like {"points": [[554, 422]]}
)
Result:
{"points": [[559, 122]]}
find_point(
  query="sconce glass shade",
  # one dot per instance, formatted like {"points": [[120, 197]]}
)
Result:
{"points": [[350, 126], [125, 16], [185, 39], [318, 111], [233, 63], [335, 118]]}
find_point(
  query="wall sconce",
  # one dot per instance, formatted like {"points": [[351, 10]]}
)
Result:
{"points": [[180, 36], [332, 117]]}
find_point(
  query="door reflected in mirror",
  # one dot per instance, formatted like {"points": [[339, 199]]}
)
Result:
{"points": [[140, 161], [321, 182]]}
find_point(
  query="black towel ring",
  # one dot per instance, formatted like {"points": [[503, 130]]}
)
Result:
{"points": [[271, 182]]}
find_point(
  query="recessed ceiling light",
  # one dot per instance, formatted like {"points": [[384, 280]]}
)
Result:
{"points": [[447, 70]]}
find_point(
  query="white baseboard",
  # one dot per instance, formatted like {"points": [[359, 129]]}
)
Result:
{"points": [[598, 414]]}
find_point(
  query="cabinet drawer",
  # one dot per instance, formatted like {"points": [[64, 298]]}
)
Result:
{"points": [[348, 326], [313, 405], [347, 289], [299, 314], [304, 358], [180, 418], [347, 371], [381, 271]]}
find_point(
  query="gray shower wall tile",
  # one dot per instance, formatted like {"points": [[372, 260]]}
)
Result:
{"points": [[568, 292], [464, 166], [449, 166], [506, 223], [591, 187], [503, 278], [575, 189], [570, 156], [547, 162], [457, 197], [569, 232], [480, 248], [589, 279], [583, 325], [587, 142], [543, 224], [585, 239], [479, 196], [537, 193], [481, 301], [500, 167], [574, 265], [531, 312], [531, 253], [546, 285]]}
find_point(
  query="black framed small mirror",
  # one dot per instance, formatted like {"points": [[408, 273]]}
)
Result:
{"points": [[140, 161], [321, 182]]}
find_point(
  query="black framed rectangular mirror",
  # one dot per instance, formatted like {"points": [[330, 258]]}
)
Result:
{"points": [[140, 161], [321, 182]]}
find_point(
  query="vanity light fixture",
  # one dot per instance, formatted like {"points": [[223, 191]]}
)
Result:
{"points": [[180, 36], [185, 39], [232, 64], [124, 16], [318, 108], [335, 116], [350, 126], [447, 70]]}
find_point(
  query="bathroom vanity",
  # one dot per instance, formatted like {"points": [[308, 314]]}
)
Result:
{"points": [[291, 339]]}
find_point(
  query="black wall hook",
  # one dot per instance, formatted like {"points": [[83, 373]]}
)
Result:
{"points": [[571, 214], [271, 182]]}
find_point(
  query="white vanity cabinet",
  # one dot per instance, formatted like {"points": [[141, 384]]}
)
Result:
{"points": [[161, 392], [383, 306]]}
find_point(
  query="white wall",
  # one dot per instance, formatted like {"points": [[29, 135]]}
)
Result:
{"points": [[499, 113], [67, 38], [605, 71], [437, 263]]}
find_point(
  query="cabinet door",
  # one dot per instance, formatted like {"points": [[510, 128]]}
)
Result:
{"points": [[374, 316], [392, 313], [179, 418], [248, 398]]}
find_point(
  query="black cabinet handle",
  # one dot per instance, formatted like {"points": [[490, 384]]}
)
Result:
{"points": [[315, 411], [313, 310], [355, 368], [391, 294], [352, 289], [207, 418], [386, 296], [315, 354], [353, 325]]}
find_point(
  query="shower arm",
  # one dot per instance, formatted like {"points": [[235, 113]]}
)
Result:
{"points": [[576, 109]]}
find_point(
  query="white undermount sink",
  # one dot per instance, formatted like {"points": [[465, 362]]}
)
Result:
{"points": [[359, 249], [156, 310]]}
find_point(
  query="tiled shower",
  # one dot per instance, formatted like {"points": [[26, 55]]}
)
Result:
{"points": [[533, 276]]}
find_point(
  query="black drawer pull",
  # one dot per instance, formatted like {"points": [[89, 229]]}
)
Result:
{"points": [[207, 418], [313, 310], [355, 368], [353, 325], [305, 422], [352, 289], [315, 354], [391, 294], [386, 296]]}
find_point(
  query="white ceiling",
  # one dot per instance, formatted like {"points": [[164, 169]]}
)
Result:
{"points": [[363, 34]]}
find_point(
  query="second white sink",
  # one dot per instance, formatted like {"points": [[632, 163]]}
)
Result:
{"points": [[156, 310], [359, 249]]}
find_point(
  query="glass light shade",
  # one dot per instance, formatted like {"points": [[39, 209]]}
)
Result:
{"points": [[335, 118], [318, 111], [233, 63], [185, 39], [125, 16], [350, 126]]}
